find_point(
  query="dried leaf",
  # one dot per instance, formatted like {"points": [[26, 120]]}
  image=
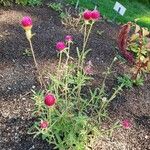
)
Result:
{"points": [[137, 28], [134, 37], [148, 44], [148, 66], [145, 32]]}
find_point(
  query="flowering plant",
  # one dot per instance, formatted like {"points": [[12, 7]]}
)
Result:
{"points": [[65, 115]]}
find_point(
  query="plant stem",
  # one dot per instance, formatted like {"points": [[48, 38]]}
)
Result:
{"points": [[86, 37], [36, 65], [106, 75], [59, 64], [79, 98], [50, 116], [115, 93], [104, 105], [68, 53], [66, 76], [58, 73]]}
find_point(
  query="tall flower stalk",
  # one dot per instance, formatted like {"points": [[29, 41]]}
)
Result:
{"points": [[90, 17], [26, 23]]}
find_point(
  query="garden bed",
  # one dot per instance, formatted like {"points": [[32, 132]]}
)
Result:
{"points": [[17, 78]]}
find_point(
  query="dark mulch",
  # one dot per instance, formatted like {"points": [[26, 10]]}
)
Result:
{"points": [[17, 78]]}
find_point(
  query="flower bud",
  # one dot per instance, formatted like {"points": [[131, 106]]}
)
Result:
{"points": [[104, 100], [43, 124], [126, 124], [88, 69], [68, 38]]}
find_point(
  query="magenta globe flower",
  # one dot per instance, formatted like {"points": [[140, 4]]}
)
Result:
{"points": [[26, 22], [43, 124], [87, 15], [126, 124], [68, 38], [60, 46], [49, 99], [95, 15]]}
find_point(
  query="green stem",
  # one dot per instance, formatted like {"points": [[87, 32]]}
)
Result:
{"points": [[59, 64], [106, 75], [50, 116], [68, 56], [105, 105], [86, 37], [66, 75], [115, 93], [79, 98], [36, 65]]}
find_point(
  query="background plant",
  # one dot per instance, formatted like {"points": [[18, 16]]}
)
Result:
{"points": [[133, 44], [22, 2], [6, 2], [56, 6], [135, 9], [34, 2]]}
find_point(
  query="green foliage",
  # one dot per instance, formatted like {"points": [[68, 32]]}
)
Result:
{"points": [[139, 81], [56, 6], [22, 2], [27, 52], [34, 2], [126, 80], [77, 115], [6, 2], [143, 1], [134, 10]]}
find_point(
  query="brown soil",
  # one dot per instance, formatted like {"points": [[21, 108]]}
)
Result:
{"points": [[17, 78]]}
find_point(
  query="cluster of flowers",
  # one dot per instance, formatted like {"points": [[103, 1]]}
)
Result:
{"points": [[88, 15], [50, 99], [61, 46], [91, 15]]}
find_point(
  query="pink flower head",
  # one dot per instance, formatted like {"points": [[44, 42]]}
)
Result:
{"points": [[87, 15], [126, 124], [43, 124], [95, 15], [60, 46], [68, 38], [49, 100], [26, 22]]}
